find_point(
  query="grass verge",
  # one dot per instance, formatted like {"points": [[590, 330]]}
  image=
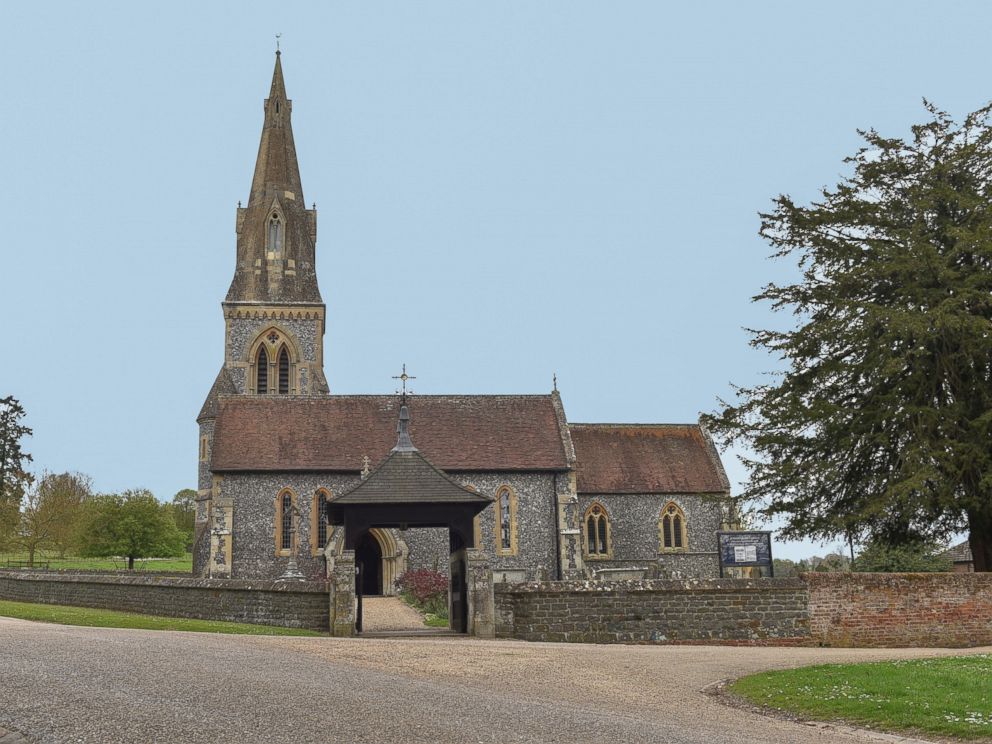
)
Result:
{"points": [[112, 619], [150, 565], [950, 696], [434, 611], [435, 621]]}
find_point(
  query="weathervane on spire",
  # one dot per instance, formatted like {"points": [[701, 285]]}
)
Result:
{"points": [[404, 377], [278, 36]]}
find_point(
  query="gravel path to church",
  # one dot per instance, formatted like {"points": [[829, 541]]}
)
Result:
{"points": [[389, 613], [71, 684]]}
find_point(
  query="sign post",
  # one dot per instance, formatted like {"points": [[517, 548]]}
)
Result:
{"points": [[739, 549]]}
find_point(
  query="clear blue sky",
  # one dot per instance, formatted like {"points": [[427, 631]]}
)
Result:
{"points": [[505, 190]]}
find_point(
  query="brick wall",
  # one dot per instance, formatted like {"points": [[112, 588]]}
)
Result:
{"points": [[887, 610], [287, 604], [767, 610]]}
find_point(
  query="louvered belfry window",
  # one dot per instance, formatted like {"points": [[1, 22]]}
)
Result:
{"points": [[283, 371], [275, 234], [286, 527], [262, 372]]}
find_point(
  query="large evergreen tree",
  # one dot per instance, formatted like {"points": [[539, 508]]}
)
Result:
{"points": [[880, 424]]}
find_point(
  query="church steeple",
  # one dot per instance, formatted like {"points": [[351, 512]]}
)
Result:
{"points": [[276, 232], [276, 165]]}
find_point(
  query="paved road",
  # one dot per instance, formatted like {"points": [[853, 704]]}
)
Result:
{"points": [[69, 684]]}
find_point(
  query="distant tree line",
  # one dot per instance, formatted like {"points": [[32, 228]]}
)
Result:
{"points": [[879, 556], [60, 513]]}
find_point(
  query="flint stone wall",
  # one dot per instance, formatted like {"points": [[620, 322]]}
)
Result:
{"points": [[286, 604], [636, 540], [243, 332], [766, 610]]}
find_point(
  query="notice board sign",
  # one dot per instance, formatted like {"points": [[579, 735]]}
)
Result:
{"points": [[745, 548]]}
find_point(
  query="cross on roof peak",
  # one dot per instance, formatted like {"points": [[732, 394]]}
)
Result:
{"points": [[403, 377]]}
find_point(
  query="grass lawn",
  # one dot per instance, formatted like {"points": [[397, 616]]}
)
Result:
{"points": [[103, 564], [111, 619], [950, 696]]}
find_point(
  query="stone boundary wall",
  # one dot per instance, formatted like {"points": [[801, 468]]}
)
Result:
{"points": [[891, 610], [652, 611], [299, 604]]}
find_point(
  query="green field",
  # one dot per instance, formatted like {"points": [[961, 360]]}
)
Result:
{"points": [[111, 619], [102, 564], [949, 697]]}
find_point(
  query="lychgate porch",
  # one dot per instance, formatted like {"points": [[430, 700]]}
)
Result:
{"points": [[407, 491]]}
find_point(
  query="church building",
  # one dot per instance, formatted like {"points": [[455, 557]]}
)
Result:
{"points": [[280, 455]]}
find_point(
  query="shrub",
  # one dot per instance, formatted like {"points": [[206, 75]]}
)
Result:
{"points": [[426, 590], [423, 584]]}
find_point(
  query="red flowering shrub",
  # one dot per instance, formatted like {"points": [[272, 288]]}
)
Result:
{"points": [[423, 585], [426, 590]]}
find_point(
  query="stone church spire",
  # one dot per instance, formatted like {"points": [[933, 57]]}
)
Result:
{"points": [[277, 234]]}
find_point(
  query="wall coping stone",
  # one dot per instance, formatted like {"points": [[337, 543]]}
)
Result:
{"points": [[651, 585], [856, 580], [178, 582]]}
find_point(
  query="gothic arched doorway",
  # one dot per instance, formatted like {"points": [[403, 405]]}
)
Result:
{"points": [[368, 560]]}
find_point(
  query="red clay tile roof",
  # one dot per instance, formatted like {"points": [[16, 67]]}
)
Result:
{"points": [[646, 458], [456, 432], [960, 553]]}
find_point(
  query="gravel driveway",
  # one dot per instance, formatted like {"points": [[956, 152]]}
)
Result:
{"points": [[71, 684]]}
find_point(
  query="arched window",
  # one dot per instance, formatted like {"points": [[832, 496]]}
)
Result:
{"points": [[672, 528], [318, 521], [275, 233], [597, 526], [506, 521], [262, 371], [285, 521], [283, 371]]}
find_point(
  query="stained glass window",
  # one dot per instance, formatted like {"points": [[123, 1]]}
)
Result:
{"points": [[286, 526], [673, 528], [321, 519], [504, 520], [597, 531]]}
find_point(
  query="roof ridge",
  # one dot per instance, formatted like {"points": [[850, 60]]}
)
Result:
{"points": [[414, 396], [633, 425]]}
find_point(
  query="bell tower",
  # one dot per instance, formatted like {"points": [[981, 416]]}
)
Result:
{"points": [[274, 315]]}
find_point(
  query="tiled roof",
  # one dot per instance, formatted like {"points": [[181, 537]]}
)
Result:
{"points": [[960, 553], [646, 458], [223, 385], [333, 433], [407, 477]]}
